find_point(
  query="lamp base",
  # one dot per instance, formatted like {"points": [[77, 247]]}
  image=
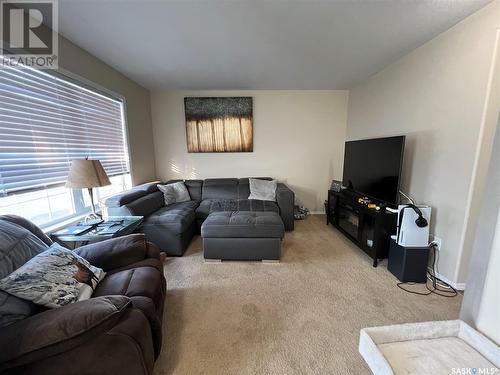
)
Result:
{"points": [[93, 218]]}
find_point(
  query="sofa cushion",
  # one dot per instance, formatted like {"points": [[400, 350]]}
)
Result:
{"points": [[243, 224], [28, 225], [220, 188], [182, 206], [216, 205], [148, 308], [140, 282], [148, 187], [148, 262], [13, 309], [147, 204], [194, 188], [176, 217], [17, 246], [122, 199], [115, 252], [131, 195], [53, 331]]}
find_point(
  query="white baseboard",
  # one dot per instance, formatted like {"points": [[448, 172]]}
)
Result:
{"points": [[457, 286], [317, 212]]}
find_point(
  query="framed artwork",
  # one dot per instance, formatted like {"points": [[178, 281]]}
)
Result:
{"points": [[219, 124]]}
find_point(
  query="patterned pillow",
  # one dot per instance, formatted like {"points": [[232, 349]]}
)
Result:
{"points": [[176, 192], [53, 278]]}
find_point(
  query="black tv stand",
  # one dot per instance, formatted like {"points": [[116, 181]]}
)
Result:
{"points": [[368, 228]]}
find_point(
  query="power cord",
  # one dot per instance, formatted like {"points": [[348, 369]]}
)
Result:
{"points": [[437, 286]]}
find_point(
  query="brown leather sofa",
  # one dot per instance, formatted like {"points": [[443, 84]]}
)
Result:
{"points": [[117, 331]]}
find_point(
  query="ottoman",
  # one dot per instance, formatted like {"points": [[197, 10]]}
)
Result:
{"points": [[242, 235]]}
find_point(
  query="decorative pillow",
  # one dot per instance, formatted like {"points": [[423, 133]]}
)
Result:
{"points": [[262, 189], [176, 192], [53, 278], [168, 193]]}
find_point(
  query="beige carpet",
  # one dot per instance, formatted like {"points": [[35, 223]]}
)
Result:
{"points": [[300, 316]]}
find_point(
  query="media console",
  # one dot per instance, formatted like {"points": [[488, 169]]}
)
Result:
{"points": [[368, 228]]}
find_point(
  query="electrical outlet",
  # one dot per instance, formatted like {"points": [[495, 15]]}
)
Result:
{"points": [[438, 242]]}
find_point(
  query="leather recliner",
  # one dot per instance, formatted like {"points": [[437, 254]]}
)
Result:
{"points": [[117, 331]]}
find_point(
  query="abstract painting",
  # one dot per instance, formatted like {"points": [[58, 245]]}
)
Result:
{"points": [[219, 124]]}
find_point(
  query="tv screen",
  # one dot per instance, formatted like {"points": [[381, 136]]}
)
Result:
{"points": [[373, 167]]}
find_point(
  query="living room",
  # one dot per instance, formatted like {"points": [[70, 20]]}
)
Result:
{"points": [[256, 187]]}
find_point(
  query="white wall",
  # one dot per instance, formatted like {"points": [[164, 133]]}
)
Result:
{"points": [[489, 309], [78, 61], [298, 139], [481, 307], [436, 96]]}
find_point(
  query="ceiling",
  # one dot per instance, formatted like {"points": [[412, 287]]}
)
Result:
{"points": [[255, 44]]}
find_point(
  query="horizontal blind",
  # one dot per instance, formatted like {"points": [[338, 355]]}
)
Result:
{"points": [[46, 122]]}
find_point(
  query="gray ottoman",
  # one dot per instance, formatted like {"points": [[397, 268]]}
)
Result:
{"points": [[242, 235]]}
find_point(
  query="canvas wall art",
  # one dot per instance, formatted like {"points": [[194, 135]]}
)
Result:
{"points": [[219, 124]]}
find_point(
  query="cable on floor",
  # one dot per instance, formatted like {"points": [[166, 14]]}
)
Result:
{"points": [[434, 284]]}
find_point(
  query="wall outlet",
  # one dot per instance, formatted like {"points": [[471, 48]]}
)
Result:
{"points": [[438, 242]]}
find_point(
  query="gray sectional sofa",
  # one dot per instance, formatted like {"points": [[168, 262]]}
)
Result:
{"points": [[172, 227]]}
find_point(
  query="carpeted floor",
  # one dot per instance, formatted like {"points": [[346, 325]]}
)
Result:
{"points": [[300, 316]]}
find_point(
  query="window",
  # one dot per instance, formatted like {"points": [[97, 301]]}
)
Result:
{"points": [[46, 121]]}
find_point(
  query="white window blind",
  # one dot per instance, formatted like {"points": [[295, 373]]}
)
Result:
{"points": [[46, 121]]}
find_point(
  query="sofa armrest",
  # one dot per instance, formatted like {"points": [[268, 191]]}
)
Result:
{"points": [[116, 252], [285, 198], [125, 197], [152, 259], [56, 330]]}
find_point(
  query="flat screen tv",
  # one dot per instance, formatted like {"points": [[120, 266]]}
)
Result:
{"points": [[372, 167]]}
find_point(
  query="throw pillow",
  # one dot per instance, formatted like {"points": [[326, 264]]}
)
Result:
{"points": [[262, 189], [53, 278], [168, 194], [174, 193]]}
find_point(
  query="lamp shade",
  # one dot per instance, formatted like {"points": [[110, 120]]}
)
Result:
{"points": [[85, 173]]}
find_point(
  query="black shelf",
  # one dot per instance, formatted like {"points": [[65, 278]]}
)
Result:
{"points": [[368, 228]]}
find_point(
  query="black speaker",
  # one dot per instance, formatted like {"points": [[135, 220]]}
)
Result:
{"points": [[408, 264]]}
